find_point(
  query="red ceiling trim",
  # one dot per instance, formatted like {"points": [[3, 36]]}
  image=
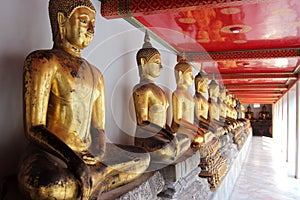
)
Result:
{"points": [[242, 55], [241, 76], [262, 98], [275, 93], [252, 101], [257, 87], [123, 8], [256, 96]]}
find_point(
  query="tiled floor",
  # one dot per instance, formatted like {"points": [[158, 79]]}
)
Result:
{"points": [[264, 175]]}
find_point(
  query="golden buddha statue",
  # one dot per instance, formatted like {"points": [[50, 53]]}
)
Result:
{"points": [[222, 104], [214, 111], [230, 120], [228, 105], [214, 107], [234, 111], [249, 114], [223, 107], [151, 104], [201, 104], [264, 114], [184, 104], [64, 116], [243, 115]]}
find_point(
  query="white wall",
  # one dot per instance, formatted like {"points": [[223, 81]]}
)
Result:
{"points": [[25, 27]]}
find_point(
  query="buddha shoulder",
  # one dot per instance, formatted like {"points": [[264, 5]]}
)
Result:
{"points": [[54, 59], [146, 88], [41, 57]]}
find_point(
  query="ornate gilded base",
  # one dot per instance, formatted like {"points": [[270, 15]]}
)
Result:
{"points": [[216, 173], [210, 148]]}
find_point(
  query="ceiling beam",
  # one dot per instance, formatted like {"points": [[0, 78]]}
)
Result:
{"points": [[247, 101], [257, 95], [256, 87], [259, 92], [264, 76]]}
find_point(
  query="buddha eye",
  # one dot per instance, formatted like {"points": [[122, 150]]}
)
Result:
{"points": [[83, 21]]}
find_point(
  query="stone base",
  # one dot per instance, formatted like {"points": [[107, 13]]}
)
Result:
{"points": [[188, 187], [182, 180], [229, 150], [182, 167], [146, 187]]}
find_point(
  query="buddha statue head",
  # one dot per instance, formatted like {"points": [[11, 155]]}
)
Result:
{"points": [[183, 73], [148, 60], [234, 101], [72, 23], [264, 108], [228, 99], [213, 89], [249, 109], [201, 82]]}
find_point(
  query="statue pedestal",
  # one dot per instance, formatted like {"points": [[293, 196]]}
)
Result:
{"points": [[229, 149], [182, 180], [146, 187], [226, 186]]}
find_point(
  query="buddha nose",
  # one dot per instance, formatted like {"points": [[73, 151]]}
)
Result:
{"points": [[91, 28]]}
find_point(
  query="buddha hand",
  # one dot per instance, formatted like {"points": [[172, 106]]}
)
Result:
{"points": [[82, 173], [197, 141], [200, 131]]}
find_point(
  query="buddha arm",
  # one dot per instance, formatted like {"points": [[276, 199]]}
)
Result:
{"points": [[98, 124], [38, 74], [140, 99], [198, 117]]}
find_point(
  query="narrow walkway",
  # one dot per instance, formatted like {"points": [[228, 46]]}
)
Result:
{"points": [[264, 175]]}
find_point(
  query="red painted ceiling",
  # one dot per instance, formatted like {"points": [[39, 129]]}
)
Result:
{"points": [[258, 64]]}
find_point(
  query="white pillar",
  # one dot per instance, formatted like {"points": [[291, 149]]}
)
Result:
{"points": [[287, 123], [297, 167]]}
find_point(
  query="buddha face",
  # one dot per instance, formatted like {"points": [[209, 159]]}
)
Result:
{"points": [[228, 99], [188, 77], [213, 91], [202, 85], [79, 28], [233, 102], [153, 66], [222, 94], [248, 109]]}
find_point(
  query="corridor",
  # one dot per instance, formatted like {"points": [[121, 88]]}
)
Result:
{"points": [[264, 175]]}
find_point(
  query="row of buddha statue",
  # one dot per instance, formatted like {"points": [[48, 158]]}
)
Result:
{"points": [[64, 116], [262, 115]]}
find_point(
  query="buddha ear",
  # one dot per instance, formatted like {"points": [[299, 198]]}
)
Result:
{"points": [[180, 73], [61, 19], [199, 84], [180, 78], [143, 61]]}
